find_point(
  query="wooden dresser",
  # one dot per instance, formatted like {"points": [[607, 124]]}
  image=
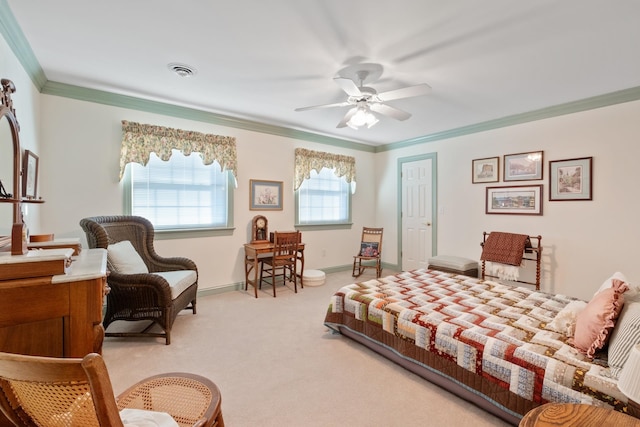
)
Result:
{"points": [[55, 315]]}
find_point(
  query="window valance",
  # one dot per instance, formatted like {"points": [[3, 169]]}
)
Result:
{"points": [[308, 160], [140, 140]]}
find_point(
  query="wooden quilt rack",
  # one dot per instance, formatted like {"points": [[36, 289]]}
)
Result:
{"points": [[532, 252]]}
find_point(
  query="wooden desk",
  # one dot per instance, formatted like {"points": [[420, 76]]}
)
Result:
{"points": [[570, 414], [60, 315], [252, 253]]}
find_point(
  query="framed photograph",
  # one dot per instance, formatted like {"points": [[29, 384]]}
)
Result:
{"points": [[485, 170], [29, 174], [265, 195], [514, 200], [571, 179], [523, 166]]}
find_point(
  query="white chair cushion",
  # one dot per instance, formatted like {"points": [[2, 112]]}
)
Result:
{"points": [[179, 280], [142, 418], [124, 258]]}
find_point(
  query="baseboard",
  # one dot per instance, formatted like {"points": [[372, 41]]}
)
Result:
{"points": [[239, 286]]}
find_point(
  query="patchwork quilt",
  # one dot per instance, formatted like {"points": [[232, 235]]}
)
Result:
{"points": [[495, 332]]}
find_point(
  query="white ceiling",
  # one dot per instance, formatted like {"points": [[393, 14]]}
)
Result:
{"points": [[260, 59]]}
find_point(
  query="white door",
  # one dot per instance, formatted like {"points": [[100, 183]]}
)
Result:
{"points": [[418, 230]]}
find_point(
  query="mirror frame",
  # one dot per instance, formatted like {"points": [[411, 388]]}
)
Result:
{"points": [[7, 111]]}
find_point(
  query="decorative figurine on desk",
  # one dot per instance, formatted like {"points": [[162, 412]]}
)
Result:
{"points": [[259, 229]]}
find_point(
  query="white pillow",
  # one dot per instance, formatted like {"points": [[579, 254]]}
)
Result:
{"points": [[124, 258], [565, 320], [631, 294]]}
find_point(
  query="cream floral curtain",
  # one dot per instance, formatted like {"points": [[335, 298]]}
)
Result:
{"points": [[140, 140], [307, 160]]}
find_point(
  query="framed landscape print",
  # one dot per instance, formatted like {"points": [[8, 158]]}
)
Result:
{"points": [[523, 166], [571, 179], [265, 195], [514, 200], [485, 170]]}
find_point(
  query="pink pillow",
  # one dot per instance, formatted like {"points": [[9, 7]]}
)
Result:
{"points": [[594, 323]]}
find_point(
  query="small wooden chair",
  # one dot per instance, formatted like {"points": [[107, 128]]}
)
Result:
{"points": [[284, 259], [55, 392], [369, 255]]}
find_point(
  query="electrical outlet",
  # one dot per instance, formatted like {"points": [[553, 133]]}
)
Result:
{"points": [[324, 252]]}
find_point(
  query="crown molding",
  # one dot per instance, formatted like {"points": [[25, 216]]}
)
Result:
{"points": [[613, 98]]}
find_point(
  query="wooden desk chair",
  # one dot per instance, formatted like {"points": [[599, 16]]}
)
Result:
{"points": [[369, 253], [284, 259], [56, 392]]}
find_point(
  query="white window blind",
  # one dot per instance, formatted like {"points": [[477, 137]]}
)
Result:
{"points": [[324, 198], [181, 193]]}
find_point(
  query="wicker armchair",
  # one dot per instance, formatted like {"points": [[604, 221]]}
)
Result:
{"points": [[56, 392], [142, 296]]}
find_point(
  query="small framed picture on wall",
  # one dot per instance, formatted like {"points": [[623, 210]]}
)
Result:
{"points": [[485, 170], [523, 166]]}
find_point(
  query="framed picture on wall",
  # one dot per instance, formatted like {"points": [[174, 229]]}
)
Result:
{"points": [[571, 179], [485, 170], [265, 195], [514, 200], [523, 166]]}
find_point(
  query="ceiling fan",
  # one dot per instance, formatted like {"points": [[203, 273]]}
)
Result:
{"points": [[365, 100]]}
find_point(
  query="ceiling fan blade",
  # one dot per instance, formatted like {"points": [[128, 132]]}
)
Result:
{"points": [[389, 111], [347, 117], [314, 107], [348, 86], [405, 92]]}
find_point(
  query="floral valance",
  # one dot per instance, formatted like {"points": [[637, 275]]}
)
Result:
{"points": [[307, 160], [140, 140]]}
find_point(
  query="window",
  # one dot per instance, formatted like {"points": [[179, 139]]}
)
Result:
{"points": [[181, 193], [324, 198]]}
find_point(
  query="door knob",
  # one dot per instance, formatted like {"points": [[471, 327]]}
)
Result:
{"points": [[428, 224]]}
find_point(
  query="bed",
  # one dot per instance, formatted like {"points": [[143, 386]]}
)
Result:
{"points": [[501, 347]]}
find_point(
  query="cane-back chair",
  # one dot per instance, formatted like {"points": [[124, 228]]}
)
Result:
{"points": [[156, 289], [284, 261], [370, 252], [77, 392]]}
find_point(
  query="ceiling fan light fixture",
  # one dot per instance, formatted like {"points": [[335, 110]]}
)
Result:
{"points": [[362, 117]]}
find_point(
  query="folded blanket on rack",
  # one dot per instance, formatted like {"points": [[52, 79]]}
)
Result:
{"points": [[503, 271], [505, 248]]}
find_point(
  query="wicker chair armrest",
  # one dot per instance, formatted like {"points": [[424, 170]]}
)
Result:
{"points": [[160, 264], [142, 280]]}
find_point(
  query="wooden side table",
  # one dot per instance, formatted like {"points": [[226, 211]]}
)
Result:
{"points": [[576, 415]]}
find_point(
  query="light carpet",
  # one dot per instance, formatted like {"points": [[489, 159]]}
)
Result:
{"points": [[276, 364]]}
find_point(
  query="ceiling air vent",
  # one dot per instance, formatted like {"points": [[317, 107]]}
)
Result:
{"points": [[182, 70]]}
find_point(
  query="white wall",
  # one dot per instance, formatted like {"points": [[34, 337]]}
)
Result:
{"points": [[584, 242], [80, 152]]}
